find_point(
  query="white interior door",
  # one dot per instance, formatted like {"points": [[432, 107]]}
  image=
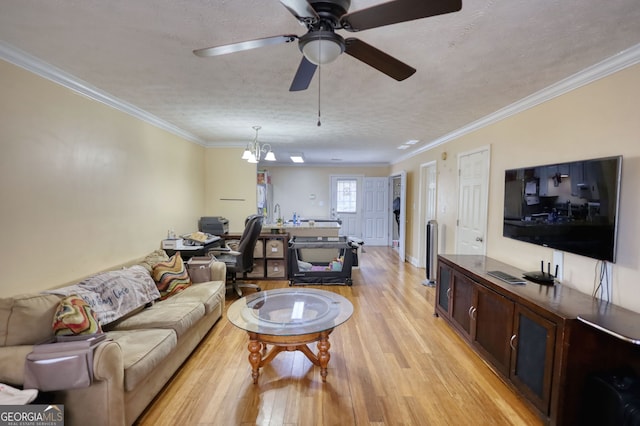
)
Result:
{"points": [[346, 203], [473, 191], [375, 211], [399, 191]]}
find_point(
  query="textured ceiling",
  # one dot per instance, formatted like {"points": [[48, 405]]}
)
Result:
{"points": [[470, 64]]}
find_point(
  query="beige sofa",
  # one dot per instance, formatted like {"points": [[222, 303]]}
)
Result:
{"points": [[145, 349]]}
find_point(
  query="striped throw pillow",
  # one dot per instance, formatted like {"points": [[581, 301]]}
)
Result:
{"points": [[171, 277], [75, 316]]}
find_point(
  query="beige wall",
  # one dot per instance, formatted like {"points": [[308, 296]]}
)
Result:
{"points": [[307, 190], [230, 186], [84, 186], [600, 119]]}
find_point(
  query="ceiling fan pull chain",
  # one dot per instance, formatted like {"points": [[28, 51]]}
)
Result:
{"points": [[319, 79]]}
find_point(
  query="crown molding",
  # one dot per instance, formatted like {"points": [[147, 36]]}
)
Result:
{"points": [[618, 62], [595, 72], [30, 63]]}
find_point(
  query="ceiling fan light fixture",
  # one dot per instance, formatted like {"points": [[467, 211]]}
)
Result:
{"points": [[321, 47]]}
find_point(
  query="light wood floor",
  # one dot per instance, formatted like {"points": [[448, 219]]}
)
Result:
{"points": [[392, 363]]}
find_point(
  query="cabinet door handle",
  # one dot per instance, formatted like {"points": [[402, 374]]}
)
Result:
{"points": [[470, 312], [449, 293], [473, 313], [513, 338]]}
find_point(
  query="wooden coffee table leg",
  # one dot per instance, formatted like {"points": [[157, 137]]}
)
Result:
{"points": [[255, 356], [323, 354]]}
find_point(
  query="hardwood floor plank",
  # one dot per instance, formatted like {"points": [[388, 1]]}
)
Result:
{"points": [[392, 363]]}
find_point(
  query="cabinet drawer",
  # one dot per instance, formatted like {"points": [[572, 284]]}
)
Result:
{"points": [[274, 248], [258, 269], [275, 269], [258, 253]]}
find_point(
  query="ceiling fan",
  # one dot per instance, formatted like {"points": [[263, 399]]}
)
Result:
{"points": [[321, 45]]}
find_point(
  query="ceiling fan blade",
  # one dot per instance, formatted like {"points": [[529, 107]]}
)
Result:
{"points": [[245, 45], [304, 75], [378, 59], [397, 11], [302, 10]]}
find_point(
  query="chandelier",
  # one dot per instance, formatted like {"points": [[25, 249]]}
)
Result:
{"points": [[254, 151]]}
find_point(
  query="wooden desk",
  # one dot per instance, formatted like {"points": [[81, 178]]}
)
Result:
{"points": [[187, 252]]}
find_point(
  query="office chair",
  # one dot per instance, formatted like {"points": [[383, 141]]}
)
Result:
{"points": [[239, 259]]}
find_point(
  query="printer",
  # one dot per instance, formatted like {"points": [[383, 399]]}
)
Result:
{"points": [[215, 225]]}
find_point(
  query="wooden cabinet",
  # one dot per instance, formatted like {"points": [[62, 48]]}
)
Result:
{"points": [[462, 294], [533, 344], [493, 316], [269, 257], [482, 316], [443, 289], [527, 333]]}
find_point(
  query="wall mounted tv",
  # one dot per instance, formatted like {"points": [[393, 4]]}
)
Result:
{"points": [[572, 207]]}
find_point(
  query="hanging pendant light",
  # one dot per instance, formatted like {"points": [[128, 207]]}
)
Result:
{"points": [[254, 150]]}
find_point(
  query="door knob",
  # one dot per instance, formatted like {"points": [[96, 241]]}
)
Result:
{"points": [[479, 239]]}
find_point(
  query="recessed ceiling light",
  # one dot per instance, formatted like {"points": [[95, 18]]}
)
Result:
{"points": [[403, 147], [412, 142], [297, 158]]}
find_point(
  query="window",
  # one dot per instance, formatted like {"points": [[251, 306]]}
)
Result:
{"points": [[346, 195]]}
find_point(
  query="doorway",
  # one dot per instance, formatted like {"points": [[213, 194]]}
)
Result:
{"points": [[428, 210], [398, 217]]}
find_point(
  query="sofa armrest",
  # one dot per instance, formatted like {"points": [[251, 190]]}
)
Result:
{"points": [[218, 271], [108, 362], [12, 360]]}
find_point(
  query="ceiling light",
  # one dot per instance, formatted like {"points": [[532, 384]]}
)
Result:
{"points": [[247, 153], [403, 147], [297, 158], [321, 47], [412, 142], [253, 151]]}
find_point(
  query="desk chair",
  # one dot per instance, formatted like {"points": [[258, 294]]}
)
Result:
{"points": [[240, 258]]}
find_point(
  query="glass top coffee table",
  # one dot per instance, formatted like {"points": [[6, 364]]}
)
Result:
{"points": [[289, 319]]}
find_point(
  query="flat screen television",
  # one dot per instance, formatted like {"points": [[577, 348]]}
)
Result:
{"points": [[572, 207]]}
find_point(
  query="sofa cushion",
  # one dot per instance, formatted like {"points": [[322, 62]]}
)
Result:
{"points": [[178, 317], [142, 352], [153, 258], [210, 293], [12, 362], [171, 276], [26, 319], [75, 316]]}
